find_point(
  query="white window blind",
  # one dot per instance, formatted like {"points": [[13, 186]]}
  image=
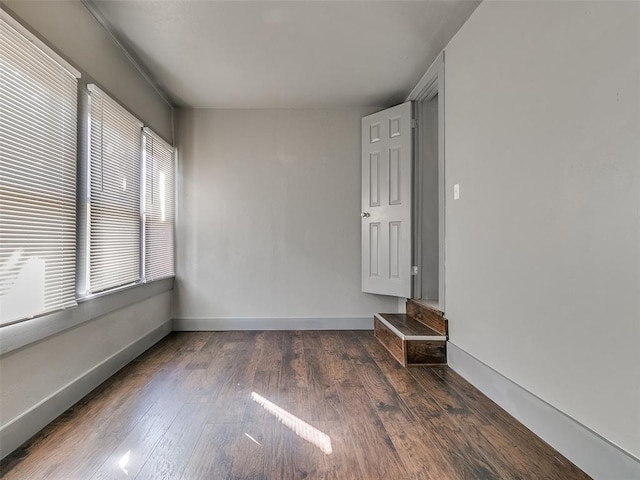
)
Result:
{"points": [[159, 206], [115, 178], [38, 129]]}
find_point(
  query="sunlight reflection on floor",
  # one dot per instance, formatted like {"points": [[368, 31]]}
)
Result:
{"points": [[122, 463], [299, 427]]}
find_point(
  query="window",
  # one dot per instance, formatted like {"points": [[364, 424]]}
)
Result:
{"points": [[131, 199], [115, 186], [159, 207], [38, 125], [123, 233]]}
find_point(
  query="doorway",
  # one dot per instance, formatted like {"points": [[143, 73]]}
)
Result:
{"points": [[428, 159], [429, 187]]}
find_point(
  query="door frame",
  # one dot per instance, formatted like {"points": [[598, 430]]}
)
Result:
{"points": [[431, 84]]}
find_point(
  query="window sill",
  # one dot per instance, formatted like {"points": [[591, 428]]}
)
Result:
{"points": [[119, 289], [19, 335]]}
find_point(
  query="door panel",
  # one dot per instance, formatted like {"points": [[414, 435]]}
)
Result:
{"points": [[395, 176], [374, 250], [394, 249], [374, 176], [387, 159]]}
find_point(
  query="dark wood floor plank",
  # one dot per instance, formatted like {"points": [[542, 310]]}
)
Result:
{"points": [[532, 446], [330, 366], [283, 405], [130, 455], [389, 406], [169, 379], [434, 456], [171, 454], [251, 450], [215, 341], [265, 384], [326, 405], [447, 437], [495, 444], [311, 338], [292, 456], [269, 344], [211, 457], [299, 458], [293, 373], [293, 393], [341, 463], [422, 459], [231, 381], [260, 427], [192, 341], [374, 449], [266, 378]]}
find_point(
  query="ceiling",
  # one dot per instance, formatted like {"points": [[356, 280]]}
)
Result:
{"points": [[285, 54]]}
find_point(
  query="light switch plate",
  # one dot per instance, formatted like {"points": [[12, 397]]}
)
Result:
{"points": [[456, 191]]}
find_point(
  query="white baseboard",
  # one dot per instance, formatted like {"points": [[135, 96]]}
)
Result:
{"points": [[22, 428], [299, 323], [592, 453]]}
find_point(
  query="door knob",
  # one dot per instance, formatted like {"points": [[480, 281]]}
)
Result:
{"points": [[364, 214]]}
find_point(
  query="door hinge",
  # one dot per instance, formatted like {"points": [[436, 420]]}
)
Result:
{"points": [[414, 270], [414, 123]]}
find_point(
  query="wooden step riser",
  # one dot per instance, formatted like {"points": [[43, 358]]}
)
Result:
{"points": [[410, 352], [426, 352], [389, 340], [428, 317]]}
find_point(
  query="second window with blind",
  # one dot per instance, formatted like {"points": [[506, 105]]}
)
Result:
{"points": [[158, 207], [130, 209]]}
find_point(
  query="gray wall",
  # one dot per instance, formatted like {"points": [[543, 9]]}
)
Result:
{"points": [[269, 219], [543, 247], [46, 366]]}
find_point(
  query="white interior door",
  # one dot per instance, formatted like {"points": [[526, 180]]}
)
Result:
{"points": [[387, 163]]}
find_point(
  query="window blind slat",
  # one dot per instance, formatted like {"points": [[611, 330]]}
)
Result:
{"points": [[115, 164], [38, 105]]}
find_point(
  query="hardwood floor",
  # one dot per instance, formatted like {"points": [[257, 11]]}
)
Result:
{"points": [[284, 405]]}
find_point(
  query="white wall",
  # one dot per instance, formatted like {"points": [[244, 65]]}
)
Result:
{"points": [[69, 28], [269, 219], [543, 247]]}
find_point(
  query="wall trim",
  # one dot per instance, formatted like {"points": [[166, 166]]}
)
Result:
{"points": [[128, 52], [427, 86], [26, 425], [278, 323], [592, 453]]}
